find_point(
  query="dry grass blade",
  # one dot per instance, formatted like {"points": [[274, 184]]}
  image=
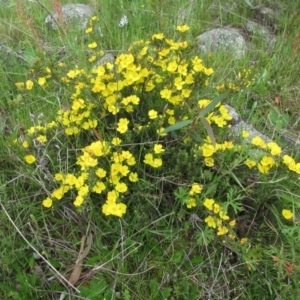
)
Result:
{"points": [[81, 256]]}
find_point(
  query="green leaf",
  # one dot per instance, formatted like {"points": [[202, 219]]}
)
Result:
{"points": [[153, 287], [197, 260], [212, 105], [209, 130], [166, 293], [248, 3], [177, 126], [178, 257], [277, 119], [205, 237]]}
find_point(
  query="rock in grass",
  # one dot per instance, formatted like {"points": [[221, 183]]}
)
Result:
{"points": [[226, 39], [256, 30], [72, 14], [107, 58]]}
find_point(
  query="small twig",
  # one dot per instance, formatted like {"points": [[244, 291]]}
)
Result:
{"points": [[61, 278]]}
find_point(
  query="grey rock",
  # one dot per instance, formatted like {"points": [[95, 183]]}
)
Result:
{"points": [[73, 14], [255, 29], [265, 15], [239, 125], [233, 113], [228, 39], [237, 129], [107, 58]]}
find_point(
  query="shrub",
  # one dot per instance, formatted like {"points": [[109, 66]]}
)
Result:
{"points": [[130, 124]]}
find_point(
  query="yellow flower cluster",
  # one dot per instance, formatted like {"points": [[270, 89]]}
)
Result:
{"points": [[219, 219], [291, 164], [270, 160], [207, 150], [96, 179], [219, 116], [194, 191], [244, 78]]}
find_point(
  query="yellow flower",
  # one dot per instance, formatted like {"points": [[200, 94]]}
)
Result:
{"points": [[148, 158], [288, 160], [92, 58], [19, 85], [78, 201], [208, 71], [70, 179], [208, 203], [182, 28], [47, 202], [83, 190], [196, 189], [217, 208], [231, 236], [209, 161], [232, 223], [86, 160], [245, 134], [114, 209], [287, 214], [166, 94], [42, 81], [208, 150], [267, 161], [101, 173], [92, 45], [121, 187], [171, 120], [160, 131], [59, 193], [89, 30], [263, 169], [123, 125], [144, 51], [275, 149], [266, 164], [112, 197], [30, 159], [116, 141], [133, 177], [258, 141], [222, 230], [191, 203], [25, 144], [158, 36], [243, 241], [172, 66], [99, 187], [157, 162], [223, 215], [29, 85], [220, 87], [250, 163], [152, 114], [59, 177], [210, 221], [41, 138], [164, 52], [158, 149]]}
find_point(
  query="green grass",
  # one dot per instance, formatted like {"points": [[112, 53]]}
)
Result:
{"points": [[159, 249]]}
